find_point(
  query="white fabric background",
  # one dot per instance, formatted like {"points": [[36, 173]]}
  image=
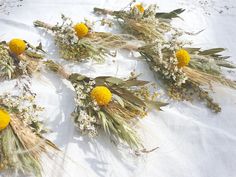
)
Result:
{"points": [[192, 141]]}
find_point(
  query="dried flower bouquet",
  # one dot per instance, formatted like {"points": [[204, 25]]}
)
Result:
{"points": [[111, 103], [79, 42]]}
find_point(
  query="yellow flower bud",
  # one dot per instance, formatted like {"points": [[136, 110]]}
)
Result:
{"points": [[183, 58], [140, 7], [81, 29], [17, 46], [101, 95], [4, 119]]}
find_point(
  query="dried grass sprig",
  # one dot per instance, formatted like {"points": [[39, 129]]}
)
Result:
{"points": [[205, 79]]}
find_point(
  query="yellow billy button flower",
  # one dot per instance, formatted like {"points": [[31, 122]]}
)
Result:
{"points": [[4, 119], [17, 46], [183, 58], [140, 7], [101, 95], [81, 29]]}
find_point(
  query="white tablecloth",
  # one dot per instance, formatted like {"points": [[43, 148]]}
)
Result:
{"points": [[192, 141]]}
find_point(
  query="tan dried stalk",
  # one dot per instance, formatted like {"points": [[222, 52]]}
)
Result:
{"points": [[126, 113], [205, 79], [34, 144]]}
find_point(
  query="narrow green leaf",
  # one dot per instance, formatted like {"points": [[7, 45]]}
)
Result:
{"points": [[103, 119], [76, 77], [114, 80], [157, 105], [129, 96], [119, 100], [211, 51], [170, 15], [192, 50], [130, 83], [226, 64], [100, 80]]}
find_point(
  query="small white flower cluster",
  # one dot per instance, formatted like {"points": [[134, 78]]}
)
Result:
{"points": [[24, 107], [83, 90], [66, 34], [66, 38], [167, 65], [86, 124], [84, 120]]}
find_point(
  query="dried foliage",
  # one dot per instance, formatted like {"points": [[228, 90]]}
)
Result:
{"points": [[131, 100]]}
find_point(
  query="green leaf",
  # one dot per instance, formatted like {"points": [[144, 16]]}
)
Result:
{"points": [[192, 50], [114, 80], [223, 57], [129, 96], [100, 80], [33, 54], [157, 105], [225, 64], [104, 121], [76, 77], [40, 47], [170, 15], [130, 83], [119, 100], [211, 51], [3, 42]]}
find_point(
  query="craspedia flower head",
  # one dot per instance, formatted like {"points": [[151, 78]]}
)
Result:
{"points": [[101, 95], [140, 7], [81, 29], [183, 58], [4, 119], [17, 46]]}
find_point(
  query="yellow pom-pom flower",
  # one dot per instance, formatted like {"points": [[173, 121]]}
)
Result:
{"points": [[183, 58], [81, 29], [4, 119], [140, 7], [17, 46], [101, 95]]}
